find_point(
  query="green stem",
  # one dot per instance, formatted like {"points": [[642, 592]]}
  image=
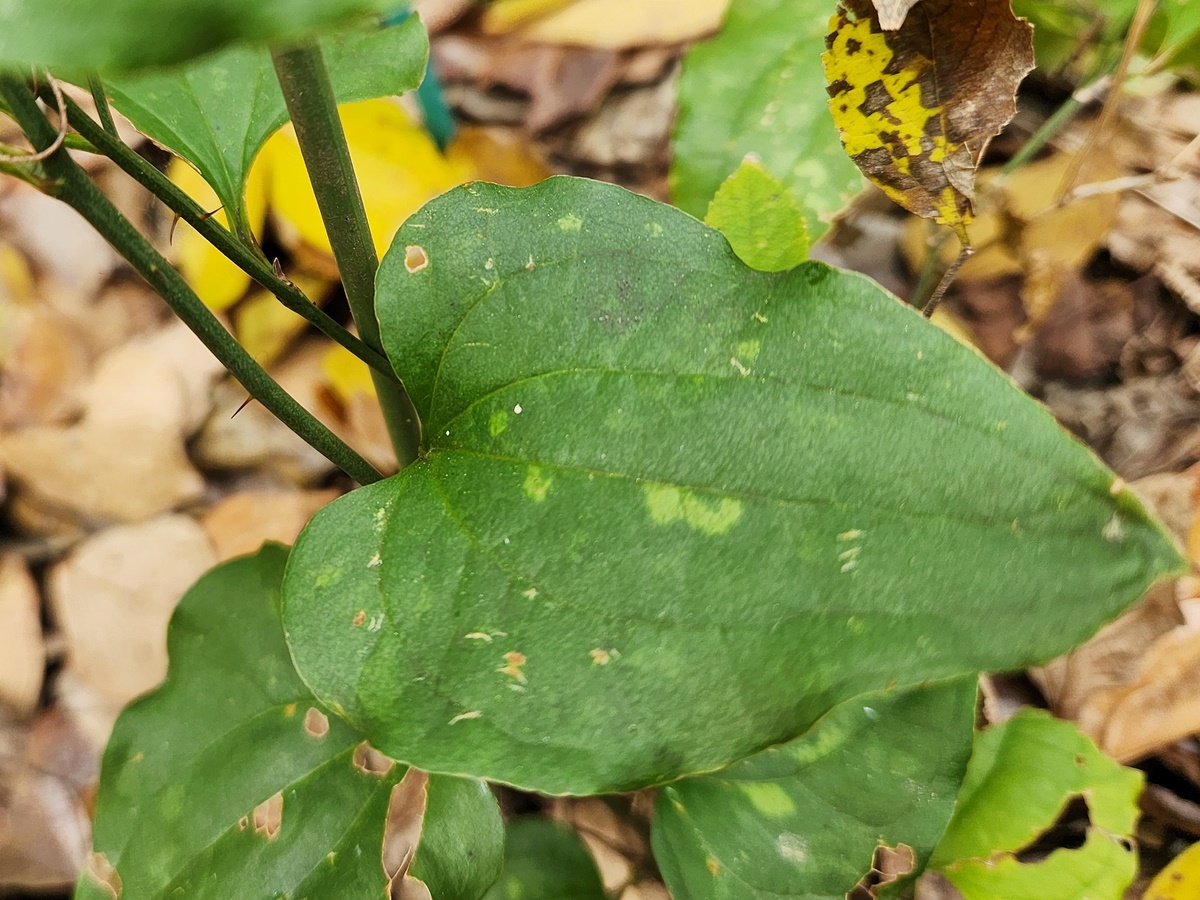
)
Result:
{"points": [[76, 190], [101, 100], [313, 110], [244, 256]]}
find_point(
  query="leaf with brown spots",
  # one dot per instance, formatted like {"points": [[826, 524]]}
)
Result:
{"points": [[226, 770], [917, 106]]}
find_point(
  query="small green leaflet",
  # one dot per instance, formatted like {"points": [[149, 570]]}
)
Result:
{"points": [[761, 220]]}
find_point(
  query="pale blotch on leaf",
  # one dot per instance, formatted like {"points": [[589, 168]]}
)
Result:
{"points": [[466, 717], [268, 817], [747, 351], [536, 486], [600, 657], [670, 504], [570, 222], [415, 258], [768, 798], [102, 873], [359, 618], [498, 423], [316, 723], [792, 847], [370, 761], [714, 867]]}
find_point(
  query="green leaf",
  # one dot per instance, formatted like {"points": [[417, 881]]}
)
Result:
{"points": [[218, 112], [803, 819], [1021, 777], [670, 510], [751, 90], [133, 34], [544, 860], [232, 727], [762, 221]]}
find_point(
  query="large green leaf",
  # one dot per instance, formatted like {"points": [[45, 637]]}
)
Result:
{"points": [[670, 510], [132, 34], [217, 112], [546, 861], [234, 726], [802, 820], [755, 88], [1021, 777]]}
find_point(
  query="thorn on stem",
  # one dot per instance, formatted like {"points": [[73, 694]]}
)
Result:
{"points": [[245, 403]]}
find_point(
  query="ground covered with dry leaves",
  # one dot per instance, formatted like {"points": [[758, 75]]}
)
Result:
{"points": [[129, 465]]}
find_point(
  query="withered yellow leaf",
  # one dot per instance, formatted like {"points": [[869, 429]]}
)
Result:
{"points": [[216, 280], [624, 24], [917, 107], [1180, 880], [265, 327], [505, 15], [399, 170]]}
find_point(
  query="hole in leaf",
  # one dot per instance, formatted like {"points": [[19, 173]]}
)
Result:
{"points": [[101, 871], [889, 865], [1068, 831], [370, 761], [316, 723], [402, 835], [415, 258], [268, 817]]}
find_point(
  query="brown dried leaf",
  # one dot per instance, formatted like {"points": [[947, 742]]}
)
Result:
{"points": [[112, 598], [22, 649], [917, 107], [242, 522]]}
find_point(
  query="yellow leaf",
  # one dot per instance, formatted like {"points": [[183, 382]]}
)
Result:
{"points": [[917, 106], [505, 15], [624, 24], [399, 170], [346, 375], [216, 280], [265, 327], [499, 155], [1180, 880]]}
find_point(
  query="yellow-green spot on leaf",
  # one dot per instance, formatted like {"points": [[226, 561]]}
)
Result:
{"points": [[536, 486], [747, 351], [327, 577], [498, 422], [669, 504], [769, 798], [761, 219], [570, 222], [654, 229]]}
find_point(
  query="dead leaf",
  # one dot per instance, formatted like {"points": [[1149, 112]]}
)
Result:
{"points": [[22, 647], [1180, 880], [917, 107], [607, 24], [888, 866], [243, 521], [215, 279], [46, 771], [402, 835], [144, 399], [398, 166], [112, 598], [893, 12]]}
